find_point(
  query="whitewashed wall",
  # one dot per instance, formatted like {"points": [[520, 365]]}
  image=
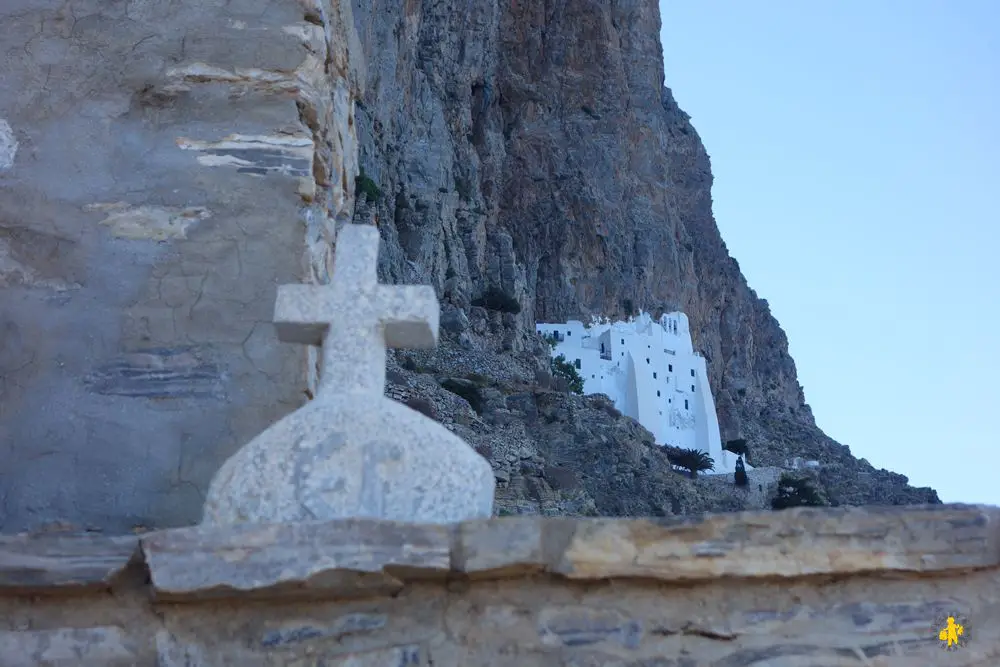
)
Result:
{"points": [[651, 372]]}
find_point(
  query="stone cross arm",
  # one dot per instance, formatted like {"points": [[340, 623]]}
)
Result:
{"points": [[409, 314]]}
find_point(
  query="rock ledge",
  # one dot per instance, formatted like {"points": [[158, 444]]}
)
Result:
{"points": [[364, 558]]}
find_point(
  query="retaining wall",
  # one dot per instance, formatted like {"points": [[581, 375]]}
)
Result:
{"points": [[803, 587]]}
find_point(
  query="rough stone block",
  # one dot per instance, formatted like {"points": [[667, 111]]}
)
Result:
{"points": [[510, 546], [576, 626], [68, 647], [50, 563], [290, 634], [159, 373], [790, 543], [339, 559], [395, 656]]}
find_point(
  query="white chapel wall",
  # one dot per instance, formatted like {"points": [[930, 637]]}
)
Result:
{"points": [[649, 369]]}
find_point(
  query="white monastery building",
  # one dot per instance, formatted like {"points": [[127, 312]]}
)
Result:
{"points": [[652, 373]]}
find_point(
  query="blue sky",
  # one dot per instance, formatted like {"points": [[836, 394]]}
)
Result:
{"points": [[856, 152]]}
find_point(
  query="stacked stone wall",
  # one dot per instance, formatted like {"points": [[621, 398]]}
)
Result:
{"points": [[797, 588]]}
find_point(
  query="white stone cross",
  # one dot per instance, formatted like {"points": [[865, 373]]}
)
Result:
{"points": [[352, 452], [354, 318]]}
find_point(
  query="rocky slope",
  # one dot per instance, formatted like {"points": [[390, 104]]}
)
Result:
{"points": [[532, 148]]}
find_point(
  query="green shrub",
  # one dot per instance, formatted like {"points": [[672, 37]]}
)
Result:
{"points": [[467, 390], [563, 369], [692, 460], [796, 492], [551, 340], [367, 187], [496, 299]]}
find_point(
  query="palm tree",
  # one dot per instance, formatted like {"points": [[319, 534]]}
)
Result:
{"points": [[693, 460]]}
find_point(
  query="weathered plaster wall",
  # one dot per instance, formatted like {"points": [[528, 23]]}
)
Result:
{"points": [[163, 166], [799, 588]]}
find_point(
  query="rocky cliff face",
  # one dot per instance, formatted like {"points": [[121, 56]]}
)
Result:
{"points": [[532, 148], [163, 166]]}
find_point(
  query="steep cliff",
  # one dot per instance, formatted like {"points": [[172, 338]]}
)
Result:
{"points": [[163, 166], [532, 147]]}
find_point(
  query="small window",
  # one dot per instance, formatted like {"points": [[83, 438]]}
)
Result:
{"points": [[654, 375], [647, 360], [670, 368], [685, 404], [670, 400], [623, 341], [657, 392], [623, 354], [692, 372], [592, 377], [556, 333], [577, 363], [692, 389]]}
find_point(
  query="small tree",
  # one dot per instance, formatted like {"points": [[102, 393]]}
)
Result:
{"points": [[796, 492], [740, 477], [365, 186], [692, 460], [563, 369]]}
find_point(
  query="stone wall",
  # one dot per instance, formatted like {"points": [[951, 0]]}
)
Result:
{"points": [[761, 484], [163, 166], [797, 588]]}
